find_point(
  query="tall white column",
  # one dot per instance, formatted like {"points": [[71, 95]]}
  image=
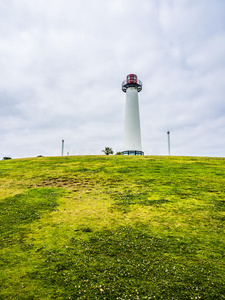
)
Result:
{"points": [[132, 130]]}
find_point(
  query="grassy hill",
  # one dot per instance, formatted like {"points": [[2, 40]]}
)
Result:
{"points": [[100, 227]]}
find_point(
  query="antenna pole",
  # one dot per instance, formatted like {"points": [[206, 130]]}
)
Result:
{"points": [[62, 146], [168, 133]]}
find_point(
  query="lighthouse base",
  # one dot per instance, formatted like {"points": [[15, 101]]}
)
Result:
{"points": [[132, 152]]}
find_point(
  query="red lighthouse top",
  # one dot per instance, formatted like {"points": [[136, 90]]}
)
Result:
{"points": [[131, 78], [131, 81]]}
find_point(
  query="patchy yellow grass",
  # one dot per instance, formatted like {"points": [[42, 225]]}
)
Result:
{"points": [[173, 200]]}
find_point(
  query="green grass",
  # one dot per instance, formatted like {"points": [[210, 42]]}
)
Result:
{"points": [[112, 227]]}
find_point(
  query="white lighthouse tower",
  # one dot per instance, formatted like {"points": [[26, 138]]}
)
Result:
{"points": [[132, 131]]}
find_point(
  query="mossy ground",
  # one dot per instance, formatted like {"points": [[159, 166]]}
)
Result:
{"points": [[112, 227]]}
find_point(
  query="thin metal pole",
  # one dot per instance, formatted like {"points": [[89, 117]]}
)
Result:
{"points": [[168, 133], [62, 146]]}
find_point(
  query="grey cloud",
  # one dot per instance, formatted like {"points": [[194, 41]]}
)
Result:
{"points": [[62, 65]]}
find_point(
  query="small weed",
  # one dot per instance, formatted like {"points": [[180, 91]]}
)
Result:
{"points": [[87, 229]]}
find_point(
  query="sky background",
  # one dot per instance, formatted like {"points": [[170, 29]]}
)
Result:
{"points": [[62, 63]]}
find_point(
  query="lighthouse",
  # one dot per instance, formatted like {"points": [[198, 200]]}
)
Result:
{"points": [[132, 131]]}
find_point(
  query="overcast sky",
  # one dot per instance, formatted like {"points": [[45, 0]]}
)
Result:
{"points": [[62, 63]]}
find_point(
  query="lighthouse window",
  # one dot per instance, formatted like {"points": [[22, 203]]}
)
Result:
{"points": [[132, 152]]}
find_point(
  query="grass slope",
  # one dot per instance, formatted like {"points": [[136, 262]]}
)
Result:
{"points": [[99, 227]]}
